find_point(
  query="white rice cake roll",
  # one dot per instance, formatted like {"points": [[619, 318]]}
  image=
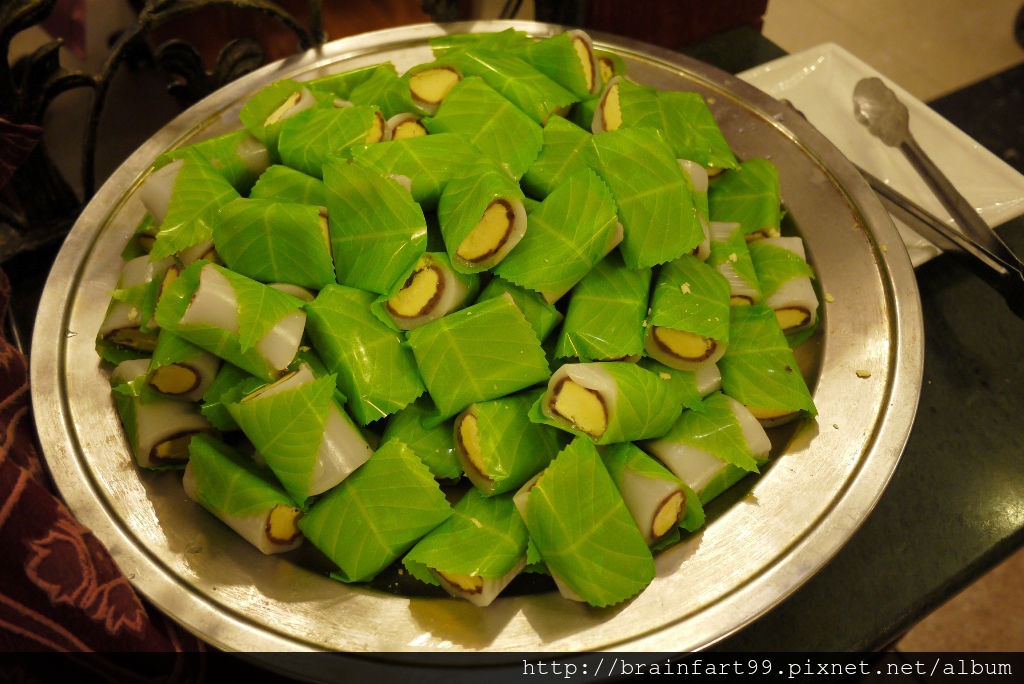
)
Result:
{"points": [[295, 103], [431, 292], [795, 302], [188, 379], [699, 177], [257, 529], [155, 192], [122, 321], [342, 448], [709, 379], [655, 504], [586, 392], [519, 499], [253, 154], [739, 288], [477, 590]]}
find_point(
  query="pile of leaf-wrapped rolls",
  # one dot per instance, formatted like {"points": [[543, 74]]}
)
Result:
{"points": [[512, 264]]}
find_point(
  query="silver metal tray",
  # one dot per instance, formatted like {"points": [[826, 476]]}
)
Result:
{"points": [[824, 482]]}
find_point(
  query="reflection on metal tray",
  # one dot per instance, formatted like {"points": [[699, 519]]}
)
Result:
{"points": [[824, 481]]}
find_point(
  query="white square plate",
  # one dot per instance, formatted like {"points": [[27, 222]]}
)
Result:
{"points": [[820, 81]]}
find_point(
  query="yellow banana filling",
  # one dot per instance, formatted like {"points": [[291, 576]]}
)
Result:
{"points": [[684, 345], [740, 300], [581, 406], [289, 102], [408, 129], [469, 443], [490, 233], [583, 52], [607, 68], [420, 294], [175, 378], [432, 85], [281, 524], [668, 515], [376, 133], [471, 584], [611, 113], [174, 449], [792, 317]]}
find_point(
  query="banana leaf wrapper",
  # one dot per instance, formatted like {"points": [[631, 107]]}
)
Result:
{"points": [[652, 193], [512, 447], [684, 119], [693, 297], [429, 162], [684, 383], [736, 251], [776, 266], [759, 369], [274, 242], [375, 371], [498, 41], [582, 113], [287, 429], [532, 92], [237, 156], [541, 316], [626, 460], [556, 58], [231, 384], [478, 114], [569, 233], [308, 140], [645, 408], [378, 232], [284, 184], [435, 446], [260, 308], [377, 514], [142, 239], [609, 65], [559, 158], [484, 537], [583, 531], [480, 353], [231, 483], [471, 281], [748, 195], [385, 90], [341, 85], [605, 320], [199, 193], [464, 200]]}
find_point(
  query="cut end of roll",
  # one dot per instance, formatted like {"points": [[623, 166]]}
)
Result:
{"points": [[376, 132], [683, 345], [792, 319], [404, 126], [282, 527], [467, 441], [420, 294], [175, 379], [430, 86], [583, 407], [607, 68], [668, 514], [172, 450], [608, 116], [773, 417], [292, 105], [490, 234], [470, 584]]}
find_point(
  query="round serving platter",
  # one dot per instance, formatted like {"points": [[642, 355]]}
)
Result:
{"points": [[823, 482]]}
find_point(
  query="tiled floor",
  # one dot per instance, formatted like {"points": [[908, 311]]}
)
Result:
{"points": [[930, 47]]}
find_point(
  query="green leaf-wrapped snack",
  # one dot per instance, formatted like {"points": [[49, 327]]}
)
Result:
{"points": [[652, 192], [307, 142], [712, 450], [760, 371], [532, 92], [430, 290], [498, 41], [606, 313], [499, 447], [688, 327], [583, 530], [691, 386], [385, 90], [180, 369], [158, 428], [230, 487], [378, 232], [609, 65], [567, 59], [429, 162], [570, 232], [731, 256], [559, 158], [435, 446], [658, 501], [282, 184], [480, 353], [376, 373], [341, 85], [275, 242], [231, 384], [608, 402], [476, 552], [479, 115], [240, 320], [268, 109], [128, 330], [542, 317], [302, 432], [482, 216], [238, 156], [377, 514], [748, 195], [785, 278], [184, 198]]}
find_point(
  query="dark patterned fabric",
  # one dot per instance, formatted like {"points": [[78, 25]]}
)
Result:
{"points": [[59, 588]]}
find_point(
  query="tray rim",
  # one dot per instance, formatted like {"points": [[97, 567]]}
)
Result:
{"points": [[61, 448]]}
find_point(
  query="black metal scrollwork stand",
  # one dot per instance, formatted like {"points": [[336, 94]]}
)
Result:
{"points": [[38, 205]]}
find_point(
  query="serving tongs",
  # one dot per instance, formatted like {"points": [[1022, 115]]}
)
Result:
{"points": [[977, 247]]}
